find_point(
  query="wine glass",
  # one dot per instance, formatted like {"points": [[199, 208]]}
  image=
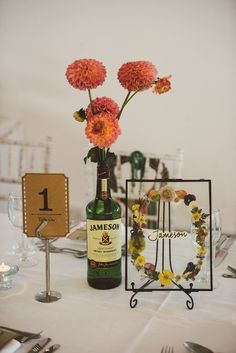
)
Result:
{"points": [[25, 248], [204, 275]]}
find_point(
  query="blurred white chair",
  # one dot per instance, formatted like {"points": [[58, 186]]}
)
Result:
{"points": [[155, 166], [138, 165], [11, 129], [18, 157]]}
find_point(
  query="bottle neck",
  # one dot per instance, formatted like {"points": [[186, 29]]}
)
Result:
{"points": [[103, 182]]}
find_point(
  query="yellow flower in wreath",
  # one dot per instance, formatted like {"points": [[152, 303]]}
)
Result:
{"points": [[139, 218], [166, 277], [196, 217], [136, 244], [140, 261], [135, 207], [201, 250], [187, 274]]}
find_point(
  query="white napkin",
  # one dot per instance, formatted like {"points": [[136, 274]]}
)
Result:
{"points": [[79, 233], [11, 347]]}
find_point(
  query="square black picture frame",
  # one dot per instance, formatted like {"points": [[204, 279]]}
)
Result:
{"points": [[130, 284]]}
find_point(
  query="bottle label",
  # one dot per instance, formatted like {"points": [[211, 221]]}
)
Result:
{"points": [[104, 240], [104, 193]]}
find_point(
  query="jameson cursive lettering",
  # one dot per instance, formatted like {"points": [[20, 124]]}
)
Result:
{"points": [[104, 227], [165, 234]]}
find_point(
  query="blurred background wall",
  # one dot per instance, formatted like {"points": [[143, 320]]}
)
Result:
{"points": [[192, 40]]}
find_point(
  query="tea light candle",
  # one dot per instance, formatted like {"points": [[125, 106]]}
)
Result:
{"points": [[6, 275], [4, 268]]}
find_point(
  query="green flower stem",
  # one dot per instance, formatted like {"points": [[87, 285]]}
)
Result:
{"points": [[90, 99], [129, 97], [147, 84], [123, 105], [107, 152], [100, 152], [132, 96], [126, 101]]}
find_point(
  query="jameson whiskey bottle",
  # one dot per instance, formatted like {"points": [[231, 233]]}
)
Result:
{"points": [[103, 235]]}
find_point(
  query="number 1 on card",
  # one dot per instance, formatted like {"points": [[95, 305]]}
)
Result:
{"points": [[44, 193]]}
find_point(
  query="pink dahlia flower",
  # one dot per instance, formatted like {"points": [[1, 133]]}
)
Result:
{"points": [[102, 130], [167, 193], [86, 74], [163, 85], [137, 75], [103, 104]]}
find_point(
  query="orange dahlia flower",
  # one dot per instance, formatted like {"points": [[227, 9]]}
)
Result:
{"points": [[86, 74], [103, 104], [102, 129], [137, 75], [163, 85], [181, 194]]}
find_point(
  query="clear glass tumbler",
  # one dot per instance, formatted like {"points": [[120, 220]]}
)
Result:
{"points": [[203, 277], [24, 249]]}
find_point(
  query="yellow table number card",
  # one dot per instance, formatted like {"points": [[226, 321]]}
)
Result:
{"points": [[45, 196]]}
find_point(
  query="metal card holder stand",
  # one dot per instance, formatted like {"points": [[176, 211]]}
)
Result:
{"points": [[47, 296], [41, 204]]}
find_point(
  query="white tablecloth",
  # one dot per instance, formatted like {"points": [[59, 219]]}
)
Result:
{"points": [[89, 320]]}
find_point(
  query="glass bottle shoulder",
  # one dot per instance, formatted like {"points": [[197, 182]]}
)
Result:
{"points": [[103, 209]]}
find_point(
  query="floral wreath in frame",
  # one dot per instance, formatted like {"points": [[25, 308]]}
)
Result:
{"points": [[137, 243]]}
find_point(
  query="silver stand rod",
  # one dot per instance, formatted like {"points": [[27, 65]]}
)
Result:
{"points": [[47, 268], [47, 296]]}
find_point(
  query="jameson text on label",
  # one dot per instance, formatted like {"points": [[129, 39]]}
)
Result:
{"points": [[104, 240]]}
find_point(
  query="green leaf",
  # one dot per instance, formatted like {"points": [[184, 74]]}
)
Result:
{"points": [[205, 215], [198, 223], [93, 155], [110, 159], [82, 113], [195, 210]]}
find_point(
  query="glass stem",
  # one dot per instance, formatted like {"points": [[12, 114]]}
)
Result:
{"points": [[205, 271], [24, 247]]}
